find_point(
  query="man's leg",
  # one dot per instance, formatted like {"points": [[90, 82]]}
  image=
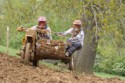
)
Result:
{"points": [[68, 47], [74, 47]]}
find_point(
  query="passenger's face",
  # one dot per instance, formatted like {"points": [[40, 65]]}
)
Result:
{"points": [[77, 26]]}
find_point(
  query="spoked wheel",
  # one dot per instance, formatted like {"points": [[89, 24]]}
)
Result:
{"points": [[22, 57], [71, 63], [27, 54]]}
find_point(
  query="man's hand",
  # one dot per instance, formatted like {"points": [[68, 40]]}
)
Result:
{"points": [[57, 33], [43, 31], [68, 43]]}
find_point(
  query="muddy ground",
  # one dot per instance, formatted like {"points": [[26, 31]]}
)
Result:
{"points": [[13, 71]]}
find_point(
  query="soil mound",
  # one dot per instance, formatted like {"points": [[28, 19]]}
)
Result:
{"points": [[13, 71]]}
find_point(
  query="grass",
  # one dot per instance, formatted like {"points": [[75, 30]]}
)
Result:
{"points": [[13, 52], [105, 75]]}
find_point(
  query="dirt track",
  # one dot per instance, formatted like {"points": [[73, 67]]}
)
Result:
{"points": [[12, 71]]}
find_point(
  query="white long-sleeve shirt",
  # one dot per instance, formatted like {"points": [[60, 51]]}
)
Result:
{"points": [[79, 37], [48, 28]]}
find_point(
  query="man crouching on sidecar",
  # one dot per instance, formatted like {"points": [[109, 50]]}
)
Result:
{"points": [[75, 42]]}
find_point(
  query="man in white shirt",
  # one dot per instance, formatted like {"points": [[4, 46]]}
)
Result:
{"points": [[42, 26], [75, 42]]}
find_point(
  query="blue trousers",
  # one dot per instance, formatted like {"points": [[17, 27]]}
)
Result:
{"points": [[73, 47]]}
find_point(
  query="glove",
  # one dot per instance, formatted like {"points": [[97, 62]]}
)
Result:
{"points": [[20, 29], [44, 31], [68, 43], [57, 33]]}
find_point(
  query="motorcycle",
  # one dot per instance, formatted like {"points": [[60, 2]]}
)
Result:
{"points": [[35, 48]]}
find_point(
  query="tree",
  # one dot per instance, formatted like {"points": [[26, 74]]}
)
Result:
{"points": [[99, 21]]}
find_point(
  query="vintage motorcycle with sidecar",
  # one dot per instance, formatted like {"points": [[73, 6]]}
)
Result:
{"points": [[35, 48]]}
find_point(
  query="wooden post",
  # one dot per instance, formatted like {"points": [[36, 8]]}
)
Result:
{"points": [[7, 40]]}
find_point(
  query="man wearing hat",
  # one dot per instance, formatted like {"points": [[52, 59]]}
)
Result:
{"points": [[75, 42]]}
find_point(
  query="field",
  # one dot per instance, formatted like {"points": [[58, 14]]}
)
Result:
{"points": [[13, 71]]}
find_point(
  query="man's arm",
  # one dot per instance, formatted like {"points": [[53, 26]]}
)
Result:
{"points": [[49, 32], [34, 27], [66, 32]]}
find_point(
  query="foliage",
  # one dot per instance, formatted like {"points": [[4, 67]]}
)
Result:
{"points": [[110, 28], [105, 75]]}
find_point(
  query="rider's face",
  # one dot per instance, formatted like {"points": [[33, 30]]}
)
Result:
{"points": [[77, 26], [41, 24]]}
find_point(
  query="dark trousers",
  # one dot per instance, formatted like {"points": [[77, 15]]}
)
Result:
{"points": [[73, 47]]}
